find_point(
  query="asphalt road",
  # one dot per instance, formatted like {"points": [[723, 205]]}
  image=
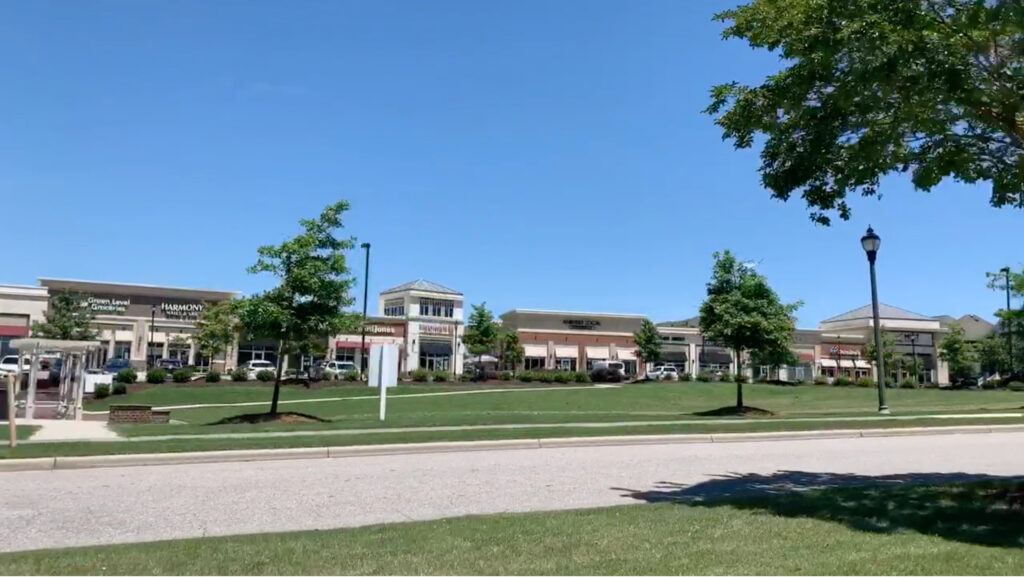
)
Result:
{"points": [[96, 506]]}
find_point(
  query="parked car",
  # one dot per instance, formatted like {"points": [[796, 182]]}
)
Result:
{"points": [[663, 373], [169, 365], [295, 375], [253, 367], [115, 366], [614, 366], [9, 364], [330, 370]]}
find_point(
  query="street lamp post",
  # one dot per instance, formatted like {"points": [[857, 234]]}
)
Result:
{"points": [[152, 328], [912, 337], [1007, 325], [366, 293], [871, 242]]}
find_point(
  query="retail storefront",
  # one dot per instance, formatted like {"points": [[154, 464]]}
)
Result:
{"points": [[574, 341], [20, 306]]}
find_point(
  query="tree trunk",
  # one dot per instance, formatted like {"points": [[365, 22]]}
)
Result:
{"points": [[277, 380], [739, 380]]}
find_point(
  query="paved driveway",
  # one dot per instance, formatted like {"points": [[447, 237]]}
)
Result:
{"points": [[94, 506]]}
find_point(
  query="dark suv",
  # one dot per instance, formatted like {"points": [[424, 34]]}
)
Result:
{"points": [[169, 365]]}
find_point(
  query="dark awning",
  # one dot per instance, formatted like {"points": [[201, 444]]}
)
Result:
{"points": [[435, 348], [715, 356], [674, 354]]}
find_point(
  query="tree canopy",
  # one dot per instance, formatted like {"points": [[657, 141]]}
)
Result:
{"points": [[512, 352], [313, 291], [216, 328], [481, 331], [742, 311], [648, 341], [958, 353], [934, 88], [67, 318]]}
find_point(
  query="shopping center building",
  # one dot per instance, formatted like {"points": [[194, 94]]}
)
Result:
{"points": [[143, 323]]}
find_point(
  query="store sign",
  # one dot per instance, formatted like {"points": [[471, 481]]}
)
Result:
{"points": [[837, 350], [581, 324], [182, 310], [381, 329], [107, 305], [431, 329]]}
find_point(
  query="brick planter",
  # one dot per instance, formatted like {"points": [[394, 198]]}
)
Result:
{"points": [[125, 414]]}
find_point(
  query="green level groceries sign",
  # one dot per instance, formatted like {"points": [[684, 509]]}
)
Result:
{"points": [[108, 305]]}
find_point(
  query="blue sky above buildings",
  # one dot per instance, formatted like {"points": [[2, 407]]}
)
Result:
{"points": [[531, 154]]}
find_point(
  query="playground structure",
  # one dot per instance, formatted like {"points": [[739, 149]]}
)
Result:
{"points": [[75, 361]]}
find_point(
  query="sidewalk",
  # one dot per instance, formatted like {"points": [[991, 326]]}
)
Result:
{"points": [[105, 434], [59, 431]]}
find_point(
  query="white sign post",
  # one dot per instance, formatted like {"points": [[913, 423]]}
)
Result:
{"points": [[383, 372]]}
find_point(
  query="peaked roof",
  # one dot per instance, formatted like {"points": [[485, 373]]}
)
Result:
{"points": [[422, 285], [884, 312]]}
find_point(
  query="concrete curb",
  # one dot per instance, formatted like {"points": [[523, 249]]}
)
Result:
{"points": [[149, 459]]}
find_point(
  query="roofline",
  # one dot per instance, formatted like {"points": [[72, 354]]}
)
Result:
{"points": [[43, 280], [871, 316], [394, 290], [579, 313]]}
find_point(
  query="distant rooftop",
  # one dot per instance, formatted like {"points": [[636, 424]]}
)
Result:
{"points": [[884, 312], [421, 285]]}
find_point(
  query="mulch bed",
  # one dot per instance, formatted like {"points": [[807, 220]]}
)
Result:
{"points": [[285, 418], [734, 411]]}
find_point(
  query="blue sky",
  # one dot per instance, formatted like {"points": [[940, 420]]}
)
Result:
{"points": [[531, 154]]}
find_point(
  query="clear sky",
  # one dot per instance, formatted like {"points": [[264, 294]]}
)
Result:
{"points": [[531, 154]]}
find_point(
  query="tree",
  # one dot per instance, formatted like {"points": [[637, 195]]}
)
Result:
{"points": [[481, 332], [889, 354], [743, 313], [68, 318], [216, 329], [992, 355], [313, 289], [1011, 320], [958, 353], [648, 341], [512, 352], [873, 87]]}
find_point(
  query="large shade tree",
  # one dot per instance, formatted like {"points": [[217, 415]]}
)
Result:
{"points": [[742, 312], [933, 88], [481, 333], [313, 288]]}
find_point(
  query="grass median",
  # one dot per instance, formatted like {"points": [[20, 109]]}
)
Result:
{"points": [[945, 529]]}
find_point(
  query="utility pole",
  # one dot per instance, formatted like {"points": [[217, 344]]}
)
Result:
{"points": [[366, 294]]}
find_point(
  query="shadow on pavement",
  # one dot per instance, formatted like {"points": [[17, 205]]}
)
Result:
{"points": [[978, 509]]}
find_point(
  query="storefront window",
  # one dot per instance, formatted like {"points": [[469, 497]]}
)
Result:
{"points": [[629, 367], [437, 308], [566, 364], [394, 308], [434, 362], [123, 350], [345, 355], [533, 363], [257, 353]]}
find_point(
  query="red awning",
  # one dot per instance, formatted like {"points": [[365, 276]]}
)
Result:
{"points": [[349, 345], [9, 331]]}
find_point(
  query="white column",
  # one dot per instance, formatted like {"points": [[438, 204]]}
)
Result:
{"points": [[694, 361], [164, 349], [30, 400], [191, 352]]}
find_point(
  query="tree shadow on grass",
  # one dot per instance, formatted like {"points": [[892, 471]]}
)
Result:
{"points": [[979, 509]]}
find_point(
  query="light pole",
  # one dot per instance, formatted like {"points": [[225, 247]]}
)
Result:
{"points": [[366, 293], [1007, 325], [152, 328], [871, 242]]}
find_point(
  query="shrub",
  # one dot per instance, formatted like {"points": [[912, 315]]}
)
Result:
{"points": [[526, 377], [739, 378], [821, 380], [842, 382], [506, 376], [726, 377], [181, 376], [465, 378], [351, 376], [865, 382], [126, 376], [546, 377], [239, 375], [156, 376], [213, 377], [685, 377], [580, 377], [420, 375], [439, 377], [119, 389], [908, 384], [705, 376], [265, 376], [101, 391], [562, 377], [1015, 386]]}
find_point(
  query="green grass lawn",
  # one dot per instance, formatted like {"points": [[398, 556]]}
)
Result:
{"points": [[21, 431], [340, 438], [639, 402], [901, 530]]}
